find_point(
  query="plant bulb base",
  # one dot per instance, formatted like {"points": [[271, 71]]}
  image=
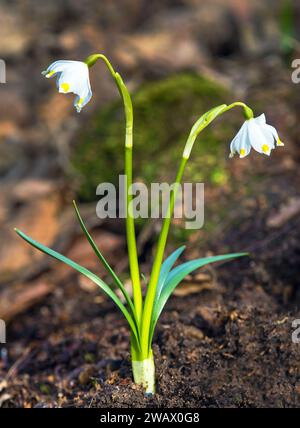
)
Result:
{"points": [[144, 374]]}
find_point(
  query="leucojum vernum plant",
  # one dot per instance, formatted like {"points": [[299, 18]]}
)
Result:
{"points": [[142, 313]]}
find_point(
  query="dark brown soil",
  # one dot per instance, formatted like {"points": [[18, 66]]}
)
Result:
{"points": [[226, 347], [226, 342]]}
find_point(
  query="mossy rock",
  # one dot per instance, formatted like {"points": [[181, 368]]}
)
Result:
{"points": [[164, 112]]}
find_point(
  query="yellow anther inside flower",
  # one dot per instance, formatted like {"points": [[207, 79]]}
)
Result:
{"points": [[279, 142], [65, 87], [242, 152], [265, 148], [80, 101]]}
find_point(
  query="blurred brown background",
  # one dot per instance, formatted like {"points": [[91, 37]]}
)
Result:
{"points": [[244, 47], [216, 51]]}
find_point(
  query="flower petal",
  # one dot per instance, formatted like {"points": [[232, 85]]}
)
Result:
{"points": [[261, 139], [255, 133], [260, 120], [72, 76], [81, 101], [57, 67], [240, 144], [245, 146], [275, 135]]}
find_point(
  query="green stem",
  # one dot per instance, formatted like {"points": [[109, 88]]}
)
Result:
{"points": [[199, 126], [130, 228], [150, 297], [248, 112]]}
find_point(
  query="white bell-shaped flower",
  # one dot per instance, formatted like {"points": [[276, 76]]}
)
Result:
{"points": [[255, 133], [72, 76]]}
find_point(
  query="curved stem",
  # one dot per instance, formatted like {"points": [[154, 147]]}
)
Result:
{"points": [[248, 112], [199, 126], [130, 227]]}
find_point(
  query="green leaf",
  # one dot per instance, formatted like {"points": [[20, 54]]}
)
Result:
{"points": [[176, 276], [104, 261], [86, 273], [165, 269]]}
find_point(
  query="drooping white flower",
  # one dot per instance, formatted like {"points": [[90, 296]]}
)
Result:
{"points": [[255, 133], [72, 76]]}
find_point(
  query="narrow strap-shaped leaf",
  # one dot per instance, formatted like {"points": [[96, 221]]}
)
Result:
{"points": [[86, 273], [104, 261], [165, 269], [176, 276], [181, 271]]}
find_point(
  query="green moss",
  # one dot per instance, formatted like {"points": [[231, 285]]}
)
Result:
{"points": [[163, 112]]}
